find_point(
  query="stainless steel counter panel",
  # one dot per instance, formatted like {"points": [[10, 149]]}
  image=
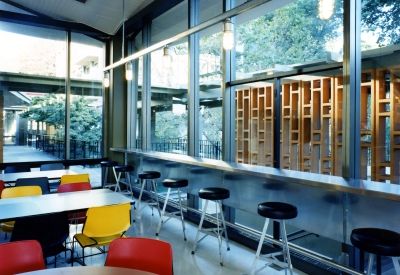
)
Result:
{"points": [[328, 206], [361, 187]]}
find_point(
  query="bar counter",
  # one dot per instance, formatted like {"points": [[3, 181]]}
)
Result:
{"points": [[330, 206]]}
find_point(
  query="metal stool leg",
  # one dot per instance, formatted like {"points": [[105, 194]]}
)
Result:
{"points": [[163, 211], [200, 225], [224, 225], [396, 264], [139, 200], [370, 263], [105, 174], [285, 247], [155, 194], [117, 187], [264, 231], [182, 219]]}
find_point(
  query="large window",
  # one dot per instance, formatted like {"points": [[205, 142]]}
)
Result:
{"points": [[34, 61], [289, 38]]}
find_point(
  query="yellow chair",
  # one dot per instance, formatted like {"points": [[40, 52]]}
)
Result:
{"points": [[103, 225], [13, 192], [67, 179]]}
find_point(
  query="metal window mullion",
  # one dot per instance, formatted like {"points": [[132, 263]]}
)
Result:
{"points": [[194, 86], [351, 89], [67, 97], [228, 94], [132, 98], [146, 90]]}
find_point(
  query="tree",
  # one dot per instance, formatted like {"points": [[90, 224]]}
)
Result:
{"points": [[86, 121], [290, 35], [382, 18]]}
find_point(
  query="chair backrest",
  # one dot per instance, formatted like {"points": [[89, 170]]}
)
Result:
{"points": [[43, 182], [78, 186], [145, 254], [66, 179], [108, 220], [17, 169], [52, 166], [19, 257], [1, 186], [50, 230], [21, 191]]}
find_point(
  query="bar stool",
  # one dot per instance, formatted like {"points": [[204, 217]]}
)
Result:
{"points": [[144, 177], [280, 212], [124, 169], [173, 183], [106, 165], [377, 241], [213, 194]]}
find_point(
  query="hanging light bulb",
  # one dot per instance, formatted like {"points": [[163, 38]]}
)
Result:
{"points": [[325, 9], [128, 71], [166, 59], [228, 38], [106, 79]]}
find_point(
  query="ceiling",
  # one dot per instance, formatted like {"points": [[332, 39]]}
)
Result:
{"points": [[100, 18]]}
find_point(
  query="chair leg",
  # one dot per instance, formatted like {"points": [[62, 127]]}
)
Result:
{"points": [[260, 244], [182, 218], [219, 232], [370, 263], [200, 225], [163, 212]]}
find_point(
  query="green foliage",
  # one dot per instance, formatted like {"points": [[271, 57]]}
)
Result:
{"points": [[290, 35], [382, 17], [170, 125], [86, 121]]}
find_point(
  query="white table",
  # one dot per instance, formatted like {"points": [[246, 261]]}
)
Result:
{"points": [[84, 270], [13, 208], [51, 174]]}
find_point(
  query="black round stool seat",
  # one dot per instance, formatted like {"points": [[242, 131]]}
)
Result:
{"points": [[277, 210], [376, 241], [124, 168], [108, 163], [149, 175], [175, 183], [214, 193]]}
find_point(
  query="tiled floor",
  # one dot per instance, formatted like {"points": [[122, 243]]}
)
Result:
{"points": [[237, 261]]}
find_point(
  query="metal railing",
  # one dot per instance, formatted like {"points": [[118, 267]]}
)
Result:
{"points": [[79, 149], [208, 149]]}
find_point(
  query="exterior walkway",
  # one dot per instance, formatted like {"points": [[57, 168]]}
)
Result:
{"points": [[25, 153]]}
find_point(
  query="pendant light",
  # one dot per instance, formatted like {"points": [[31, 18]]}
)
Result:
{"points": [[106, 79], [166, 59], [128, 71], [228, 38], [325, 9]]}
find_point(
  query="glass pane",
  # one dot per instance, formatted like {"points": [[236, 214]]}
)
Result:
{"points": [[210, 122], [380, 89], [255, 123], [169, 117], [287, 37], [311, 123], [32, 101], [86, 102]]}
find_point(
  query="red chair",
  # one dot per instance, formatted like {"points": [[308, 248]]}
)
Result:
{"points": [[75, 218], [1, 186], [19, 257], [145, 254]]}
